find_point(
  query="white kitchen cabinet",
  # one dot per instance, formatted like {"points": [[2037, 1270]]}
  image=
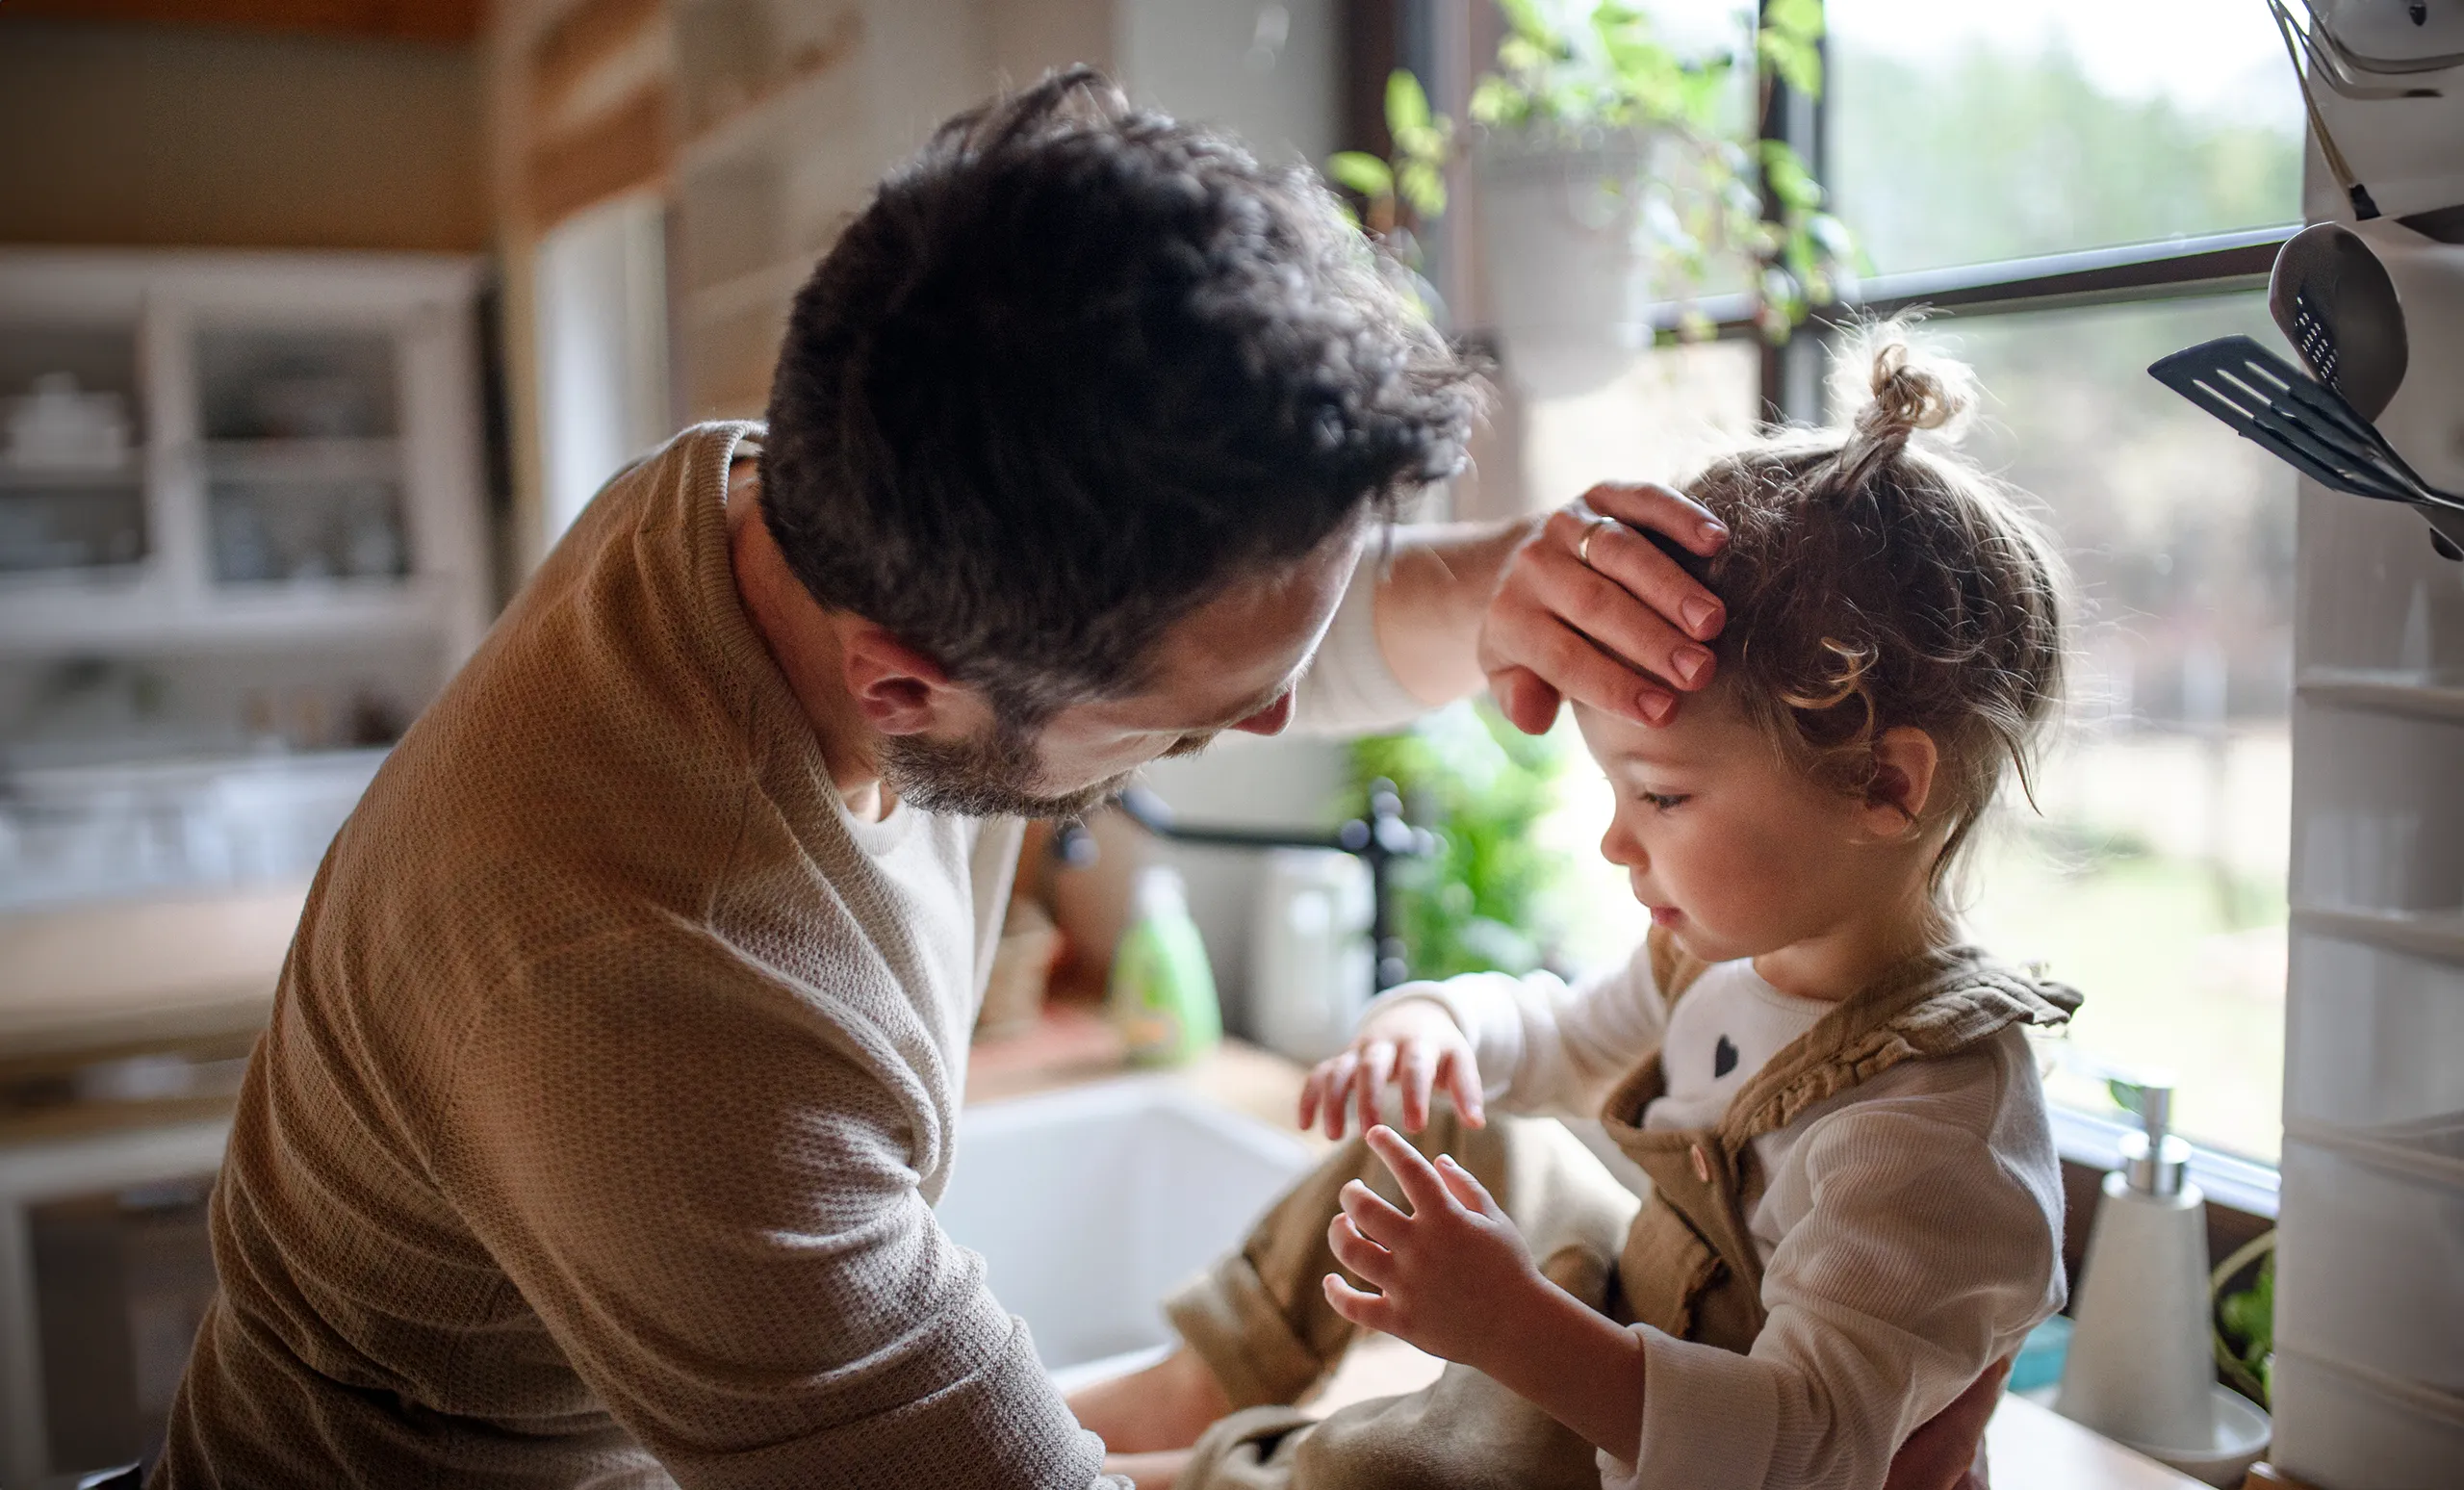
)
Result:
{"points": [[302, 460], [241, 542]]}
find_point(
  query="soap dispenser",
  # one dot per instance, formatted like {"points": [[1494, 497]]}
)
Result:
{"points": [[2140, 1368], [1163, 990]]}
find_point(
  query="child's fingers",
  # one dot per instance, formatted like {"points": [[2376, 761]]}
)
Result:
{"points": [[1310, 1091], [1418, 1073], [1366, 1310], [1420, 1184], [1376, 1069], [1364, 1257], [1462, 1077], [1373, 1215], [1467, 1188], [1339, 1092]]}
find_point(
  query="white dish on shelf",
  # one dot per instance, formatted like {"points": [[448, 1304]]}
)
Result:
{"points": [[57, 428]]}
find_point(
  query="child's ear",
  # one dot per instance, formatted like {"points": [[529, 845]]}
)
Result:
{"points": [[1905, 761]]}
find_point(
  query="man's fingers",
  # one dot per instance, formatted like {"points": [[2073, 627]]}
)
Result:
{"points": [[1574, 665], [1376, 1069], [1309, 1091], [1648, 574], [1648, 505], [1630, 624], [1462, 1079], [1529, 704], [1419, 1179], [1373, 1215], [1419, 1075], [1365, 1258]]}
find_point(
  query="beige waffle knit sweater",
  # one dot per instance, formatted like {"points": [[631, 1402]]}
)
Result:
{"points": [[612, 1077]]}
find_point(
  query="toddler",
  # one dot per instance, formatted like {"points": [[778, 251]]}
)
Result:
{"points": [[1855, 1207]]}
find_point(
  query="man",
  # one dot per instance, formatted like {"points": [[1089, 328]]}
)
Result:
{"points": [[615, 1066]]}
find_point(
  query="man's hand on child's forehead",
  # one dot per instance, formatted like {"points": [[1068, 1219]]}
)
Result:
{"points": [[1593, 610]]}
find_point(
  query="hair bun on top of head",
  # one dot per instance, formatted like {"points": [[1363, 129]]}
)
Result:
{"points": [[1910, 391], [1906, 389]]}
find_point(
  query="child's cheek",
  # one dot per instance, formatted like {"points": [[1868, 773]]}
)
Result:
{"points": [[1743, 879]]}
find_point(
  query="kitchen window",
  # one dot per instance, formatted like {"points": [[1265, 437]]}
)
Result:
{"points": [[2070, 189]]}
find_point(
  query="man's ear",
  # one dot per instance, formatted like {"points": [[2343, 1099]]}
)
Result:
{"points": [[898, 690], [1905, 761]]}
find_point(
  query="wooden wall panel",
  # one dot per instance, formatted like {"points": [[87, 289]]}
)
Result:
{"points": [[453, 21]]}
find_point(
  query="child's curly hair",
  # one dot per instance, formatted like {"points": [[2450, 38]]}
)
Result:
{"points": [[1871, 583]]}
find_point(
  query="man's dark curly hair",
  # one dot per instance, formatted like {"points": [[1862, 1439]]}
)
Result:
{"points": [[1075, 368]]}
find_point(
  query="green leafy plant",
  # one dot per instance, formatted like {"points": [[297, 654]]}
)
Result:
{"points": [[1414, 177], [1700, 198], [1479, 904], [2245, 1320]]}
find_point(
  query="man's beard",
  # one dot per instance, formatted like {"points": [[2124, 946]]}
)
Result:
{"points": [[987, 774]]}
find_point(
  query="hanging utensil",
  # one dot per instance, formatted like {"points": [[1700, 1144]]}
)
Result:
{"points": [[2266, 400], [2297, 42], [2338, 65], [2336, 305], [2417, 58]]}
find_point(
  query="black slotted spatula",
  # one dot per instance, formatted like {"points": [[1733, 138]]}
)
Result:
{"points": [[2268, 402]]}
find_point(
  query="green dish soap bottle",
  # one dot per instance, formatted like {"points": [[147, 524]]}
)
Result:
{"points": [[1163, 990]]}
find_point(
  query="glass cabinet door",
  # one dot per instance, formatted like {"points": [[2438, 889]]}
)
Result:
{"points": [[72, 487], [303, 461]]}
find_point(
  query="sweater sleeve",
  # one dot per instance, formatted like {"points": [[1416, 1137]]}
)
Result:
{"points": [[1349, 689], [1923, 1255], [1544, 1047], [711, 1198]]}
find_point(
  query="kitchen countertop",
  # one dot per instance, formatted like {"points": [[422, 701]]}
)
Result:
{"points": [[120, 975], [2029, 1446]]}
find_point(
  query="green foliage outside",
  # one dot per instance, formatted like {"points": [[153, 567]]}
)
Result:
{"points": [[1991, 154], [1484, 902]]}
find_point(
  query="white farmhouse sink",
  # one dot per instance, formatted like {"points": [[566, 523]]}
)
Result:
{"points": [[1090, 1205]]}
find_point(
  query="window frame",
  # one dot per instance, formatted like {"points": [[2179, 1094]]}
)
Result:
{"points": [[2185, 268], [1793, 390], [1440, 40]]}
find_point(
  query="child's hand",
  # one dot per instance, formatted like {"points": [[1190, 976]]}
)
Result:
{"points": [[1413, 1043], [1454, 1277]]}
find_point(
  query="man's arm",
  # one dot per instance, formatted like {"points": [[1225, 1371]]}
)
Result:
{"points": [[707, 1192], [1524, 607]]}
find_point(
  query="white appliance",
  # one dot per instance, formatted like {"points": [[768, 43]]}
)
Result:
{"points": [[1309, 952]]}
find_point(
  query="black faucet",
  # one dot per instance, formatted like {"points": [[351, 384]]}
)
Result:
{"points": [[1376, 841]]}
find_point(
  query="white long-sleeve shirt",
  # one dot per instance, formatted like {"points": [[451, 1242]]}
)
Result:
{"points": [[1910, 1227]]}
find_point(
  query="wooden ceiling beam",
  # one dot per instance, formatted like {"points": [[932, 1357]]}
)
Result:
{"points": [[452, 21]]}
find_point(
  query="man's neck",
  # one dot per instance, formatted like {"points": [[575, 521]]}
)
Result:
{"points": [[804, 640]]}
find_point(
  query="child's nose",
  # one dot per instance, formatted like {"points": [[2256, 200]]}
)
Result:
{"points": [[1620, 847]]}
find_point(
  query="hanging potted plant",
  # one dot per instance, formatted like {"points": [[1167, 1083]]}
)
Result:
{"points": [[1617, 172]]}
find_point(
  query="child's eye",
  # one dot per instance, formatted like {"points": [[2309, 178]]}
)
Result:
{"points": [[1663, 800]]}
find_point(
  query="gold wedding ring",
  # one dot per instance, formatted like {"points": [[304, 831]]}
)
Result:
{"points": [[1583, 549]]}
